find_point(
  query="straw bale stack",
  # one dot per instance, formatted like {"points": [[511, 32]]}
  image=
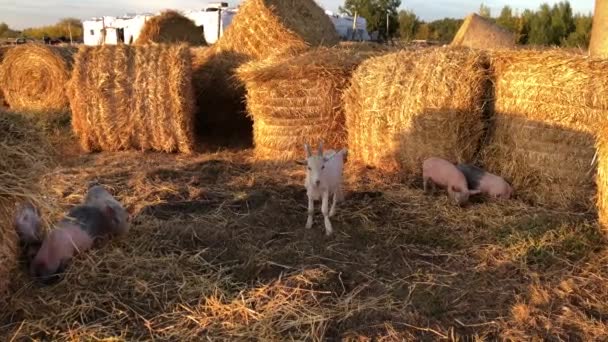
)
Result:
{"points": [[3, 51], [297, 100], [264, 28], [601, 179], [33, 77], [598, 46], [407, 106], [133, 97], [478, 32], [171, 27], [24, 157], [220, 96], [547, 106]]}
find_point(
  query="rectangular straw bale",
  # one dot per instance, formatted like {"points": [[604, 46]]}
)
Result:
{"points": [[547, 106], [601, 179], [297, 100], [407, 106], [133, 97], [598, 45], [480, 33]]}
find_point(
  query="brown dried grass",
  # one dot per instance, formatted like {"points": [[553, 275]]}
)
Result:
{"points": [[34, 76], [24, 156], [218, 249], [405, 107], [265, 28], [171, 27], [133, 97], [297, 100], [548, 105], [477, 32], [598, 46]]}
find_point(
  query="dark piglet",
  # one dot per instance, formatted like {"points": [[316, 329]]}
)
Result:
{"points": [[480, 181]]}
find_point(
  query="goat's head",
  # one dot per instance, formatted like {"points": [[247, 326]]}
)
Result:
{"points": [[315, 164]]}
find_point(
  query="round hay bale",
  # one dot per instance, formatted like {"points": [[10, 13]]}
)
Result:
{"points": [[133, 97], [407, 106], [478, 32], [598, 46], [297, 100], [24, 156], [171, 27], [3, 51], [263, 28], [547, 107], [601, 178], [34, 76], [220, 96]]}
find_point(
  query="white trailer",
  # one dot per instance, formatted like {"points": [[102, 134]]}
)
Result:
{"points": [[349, 28]]}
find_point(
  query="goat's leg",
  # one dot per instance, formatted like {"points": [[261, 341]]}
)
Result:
{"points": [[325, 210], [332, 211], [311, 211]]}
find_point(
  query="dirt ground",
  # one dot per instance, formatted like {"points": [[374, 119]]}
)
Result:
{"points": [[218, 250]]}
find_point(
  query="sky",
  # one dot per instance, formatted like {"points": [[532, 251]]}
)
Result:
{"points": [[28, 13]]}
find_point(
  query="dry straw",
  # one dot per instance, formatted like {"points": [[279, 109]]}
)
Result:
{"points": [[33, 77], [264, 28], [598, 46], [548, 105], [133, 97], [405, 107], [24, 156], [171, 27], [602, 175], [298, 100], [3, 51], [478, 32]]}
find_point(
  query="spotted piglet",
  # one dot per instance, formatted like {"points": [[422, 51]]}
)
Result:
{"points": [[480, 181], [440, 172]]}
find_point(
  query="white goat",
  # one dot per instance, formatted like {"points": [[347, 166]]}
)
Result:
{"points": [[323, 179]]}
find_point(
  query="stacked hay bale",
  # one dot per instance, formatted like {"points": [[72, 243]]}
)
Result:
{"points": [[3, 51], [171, 27], [297, 100], [24, 157], [598, 46], [265, 28], [548, 105], [261, 29], [33, 77], [407, 106], [478, 32], [133, 97]]}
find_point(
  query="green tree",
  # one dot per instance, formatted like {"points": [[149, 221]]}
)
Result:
{"points": [[485, 11], [524, 26], [582, 32], [444, 30], [409, 23], [375, 12], [540, 27], [507, 20], [424, 32], [562, 22]]}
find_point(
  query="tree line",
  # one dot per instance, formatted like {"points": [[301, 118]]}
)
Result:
{"points": [[555, 25], [60, 30]]}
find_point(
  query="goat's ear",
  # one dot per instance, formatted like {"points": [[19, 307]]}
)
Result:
{"points": [[321, 148], [308, 151]]}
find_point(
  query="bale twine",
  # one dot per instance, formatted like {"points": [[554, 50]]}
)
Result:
{"points": [[133, 97], [547, 105], [171, 27], [34, 76], [24, 157], [297, 100], [598, 46], [478, 32], [264, 28], [407, 106]]}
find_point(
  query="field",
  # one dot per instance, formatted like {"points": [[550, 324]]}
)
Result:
{"points": [[218, 250]]}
